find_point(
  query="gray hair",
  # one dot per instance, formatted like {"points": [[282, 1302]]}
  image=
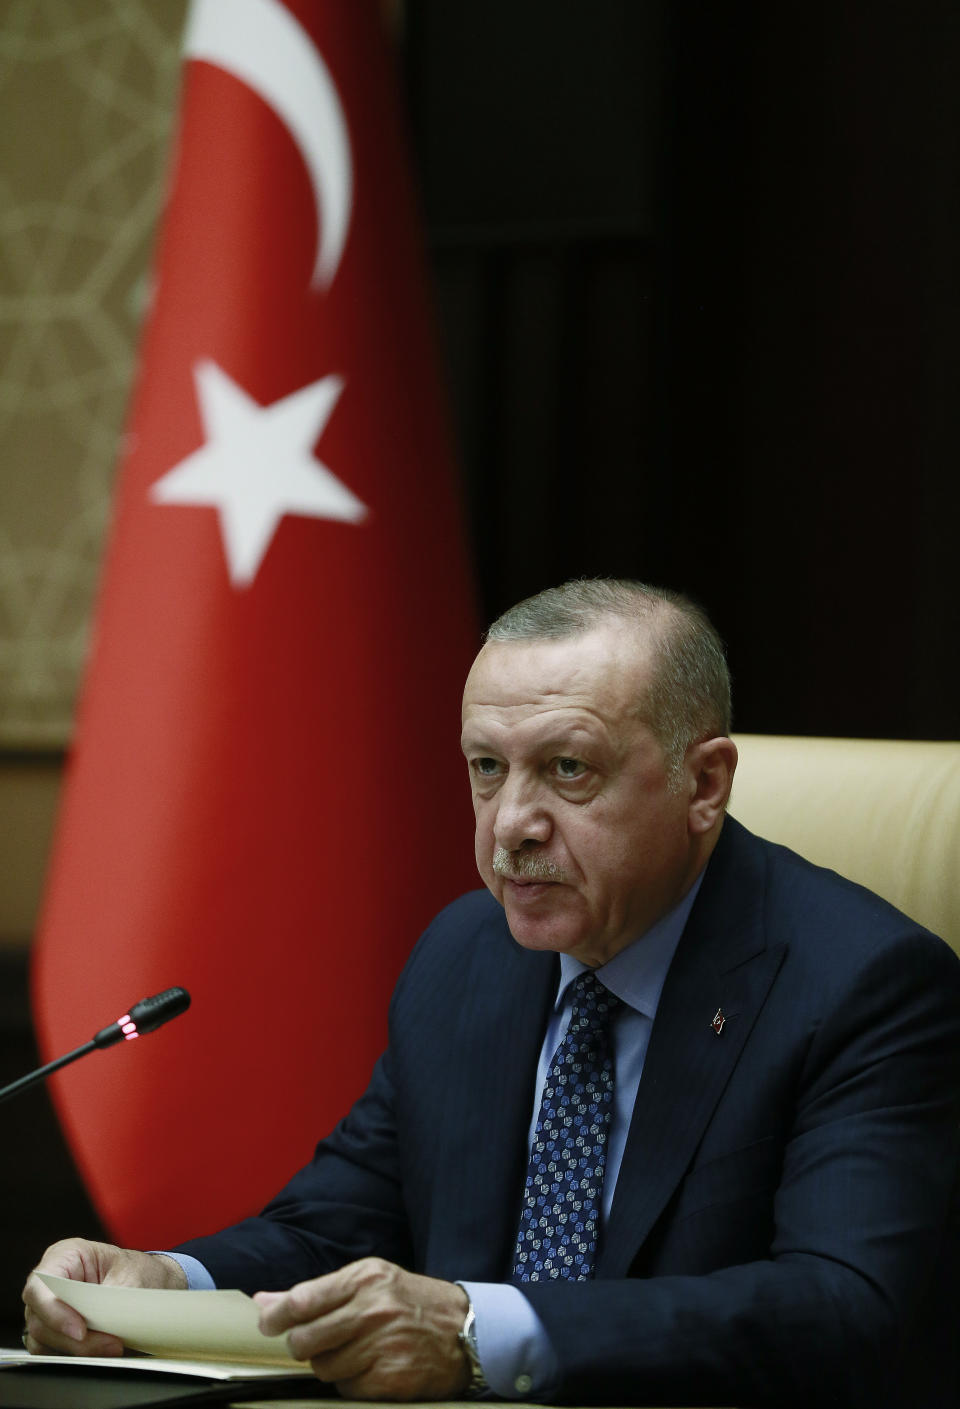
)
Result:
{"points": [[688, 698]]}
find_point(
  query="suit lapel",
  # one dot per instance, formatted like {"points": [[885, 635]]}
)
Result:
{"points": [[488, 1108], [722, 965]]}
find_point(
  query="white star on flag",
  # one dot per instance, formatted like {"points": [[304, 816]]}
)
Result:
{"points": [[257, 465]]}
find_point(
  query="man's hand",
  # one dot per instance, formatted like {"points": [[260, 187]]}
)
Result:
{"points": [[374, 1330], [52, 1327]]}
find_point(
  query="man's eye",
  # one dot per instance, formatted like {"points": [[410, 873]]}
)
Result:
{"points": [[568, 768], [486, 767]]}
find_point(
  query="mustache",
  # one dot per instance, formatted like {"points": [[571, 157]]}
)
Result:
{"points": [[526, 866]]}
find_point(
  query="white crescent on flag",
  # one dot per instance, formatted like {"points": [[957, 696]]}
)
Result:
{"points": [[263, 45], [256, 463]]}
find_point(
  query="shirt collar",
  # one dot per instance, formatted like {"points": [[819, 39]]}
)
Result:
{"points": [[637, 974]]}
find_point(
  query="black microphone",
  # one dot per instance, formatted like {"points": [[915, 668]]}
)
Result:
{"points": [[145, 1016]]}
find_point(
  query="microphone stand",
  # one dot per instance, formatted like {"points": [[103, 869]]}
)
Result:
{"points": [[33, 1077], [143, 1017]]}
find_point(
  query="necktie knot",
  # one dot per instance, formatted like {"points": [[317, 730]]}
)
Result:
{"points": [[592, 1004]]}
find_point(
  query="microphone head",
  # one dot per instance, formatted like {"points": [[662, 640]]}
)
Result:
{"points": [[145, 1016], [151, 1013]]}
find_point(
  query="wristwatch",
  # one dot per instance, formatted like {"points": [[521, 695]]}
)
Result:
{"points": [[467, 1336]]}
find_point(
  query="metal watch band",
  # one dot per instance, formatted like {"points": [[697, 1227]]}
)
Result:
{"points": [[467, 1336]]}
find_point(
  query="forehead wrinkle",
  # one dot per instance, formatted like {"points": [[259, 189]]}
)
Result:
{"points": [[586, 714], [586, 732], [510, 682]]}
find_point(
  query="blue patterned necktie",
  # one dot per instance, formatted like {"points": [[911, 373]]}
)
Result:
{"points": [[562, 1198]]}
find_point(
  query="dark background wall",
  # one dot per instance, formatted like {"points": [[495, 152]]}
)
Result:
{"points": [[697, 279], [697, 270]]}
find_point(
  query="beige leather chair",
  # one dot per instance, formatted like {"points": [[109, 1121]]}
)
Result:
{"points": [[881, 812]]}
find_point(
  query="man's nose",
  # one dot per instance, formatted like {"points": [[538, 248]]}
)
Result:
{"points": [[522, 814]]}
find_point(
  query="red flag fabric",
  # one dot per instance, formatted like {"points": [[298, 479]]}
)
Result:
{"points": [[264, 803]]}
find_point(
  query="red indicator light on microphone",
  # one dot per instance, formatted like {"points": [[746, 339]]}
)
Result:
{"points": [[128, 1027]]}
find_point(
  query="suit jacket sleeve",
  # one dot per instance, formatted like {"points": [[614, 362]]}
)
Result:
{"points": [[345, 1204]]}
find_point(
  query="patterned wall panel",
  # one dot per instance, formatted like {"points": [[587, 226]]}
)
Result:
{"points": [[87, 98]]}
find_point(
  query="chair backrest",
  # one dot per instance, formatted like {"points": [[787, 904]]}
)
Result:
{"points": [[882, 812]]}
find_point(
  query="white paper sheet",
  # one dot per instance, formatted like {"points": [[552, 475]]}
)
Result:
{"points": [[152, 1364], [220, 1325]]}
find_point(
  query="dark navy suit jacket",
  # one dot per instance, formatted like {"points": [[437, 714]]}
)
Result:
{"points": [[784, 1228]]}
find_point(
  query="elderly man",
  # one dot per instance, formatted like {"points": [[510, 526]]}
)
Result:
{"points": [[667, 1114]]}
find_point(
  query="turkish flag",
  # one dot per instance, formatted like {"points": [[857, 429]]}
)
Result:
{"points": [[264, 803]]}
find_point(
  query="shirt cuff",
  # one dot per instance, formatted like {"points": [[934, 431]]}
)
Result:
{"points": [[198, 1278], [515, 1354]]}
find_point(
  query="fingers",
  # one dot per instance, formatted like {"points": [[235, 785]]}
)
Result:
{"points": [[52, 1327], [41, 1338], [374, 1330], [50, 1322], [316, 1316], [307, 1301]]}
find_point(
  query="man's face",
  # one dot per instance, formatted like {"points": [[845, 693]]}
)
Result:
{"points": [[578, 834]]}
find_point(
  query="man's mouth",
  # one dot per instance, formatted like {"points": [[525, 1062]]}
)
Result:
{"points": [[524, 893]]}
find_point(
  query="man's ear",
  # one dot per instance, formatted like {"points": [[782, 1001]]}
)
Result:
{"points": [[710, 767]]}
